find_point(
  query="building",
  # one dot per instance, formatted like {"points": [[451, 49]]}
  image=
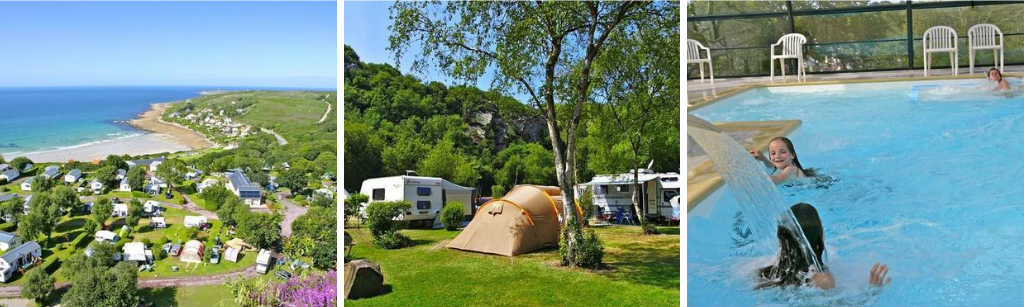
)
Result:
{"points": [[124, 186], [8, 240], [121, 173], [147, 163], [73, 176], [136, 251], [27, 184], [120, 210], [614, 193], [19, 257], [193, 174], [4, 167], [51, 171], [10, 175], [96, 186], [239, 184]]}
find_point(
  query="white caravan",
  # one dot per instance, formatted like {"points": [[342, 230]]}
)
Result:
{"points": [[427, 194], [614, 193]]}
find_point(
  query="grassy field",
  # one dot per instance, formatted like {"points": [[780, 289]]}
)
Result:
{"points": [[640, 271]]}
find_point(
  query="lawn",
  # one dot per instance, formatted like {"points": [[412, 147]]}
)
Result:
{"points": [[640, 270], [200, 296]]}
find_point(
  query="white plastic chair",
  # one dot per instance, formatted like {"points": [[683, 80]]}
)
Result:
{"points": [[983, 37], [693, 57], [940, 39], [792, 48]]}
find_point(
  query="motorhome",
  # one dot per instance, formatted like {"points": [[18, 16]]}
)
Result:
{"points": [[614, 193], [263, 261], [426, 194]]}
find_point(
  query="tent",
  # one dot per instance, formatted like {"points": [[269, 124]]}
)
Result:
{"points": [[231, 254], [193, 252], [239, 244], [526, 219]]}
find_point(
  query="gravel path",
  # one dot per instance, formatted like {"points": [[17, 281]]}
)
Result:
{"points": [[291, 212]]}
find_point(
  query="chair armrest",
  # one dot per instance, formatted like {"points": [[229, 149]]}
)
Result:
{"points": [[773, 48], [708, 50]]}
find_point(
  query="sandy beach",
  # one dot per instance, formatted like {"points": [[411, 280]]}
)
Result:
{"points": [[150, 121]]}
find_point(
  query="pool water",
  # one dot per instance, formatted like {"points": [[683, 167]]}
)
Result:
{"points": [[932, 186]]}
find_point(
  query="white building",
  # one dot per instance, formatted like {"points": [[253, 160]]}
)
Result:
{"points": [[120, 210], [18, 257], [73, 176], [249, 192], [194, 221], [27, 184], [8, 240], [124, 186]]}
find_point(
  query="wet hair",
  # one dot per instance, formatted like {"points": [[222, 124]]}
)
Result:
{"points": [[793, 263], [998, 72], [796, 161]]}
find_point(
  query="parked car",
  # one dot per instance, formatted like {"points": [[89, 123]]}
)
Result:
{"points": [[167, 248], [175, 250], [281, 274], [215, 255]]}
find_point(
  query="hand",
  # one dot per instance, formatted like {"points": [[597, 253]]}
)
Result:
{"points": [[878, 272], [757, 155]]}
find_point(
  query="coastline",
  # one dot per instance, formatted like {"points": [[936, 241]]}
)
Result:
{"points": [[150, 121]]}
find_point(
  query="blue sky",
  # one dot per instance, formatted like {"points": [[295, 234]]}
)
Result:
{"points": [[279, 44], [366, 31]]}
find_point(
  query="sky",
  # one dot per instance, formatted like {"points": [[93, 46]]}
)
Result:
{"points": [[366, 31], [259, 44]]}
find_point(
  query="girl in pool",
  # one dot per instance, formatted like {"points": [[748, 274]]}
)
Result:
{"points": [[784, 160], [996, 77], [792, 266]]}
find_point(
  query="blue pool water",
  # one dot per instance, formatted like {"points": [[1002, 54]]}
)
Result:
{"points": [[932, 186]]}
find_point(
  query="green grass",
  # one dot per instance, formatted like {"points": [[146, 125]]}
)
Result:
{"points": [[640, 271], [199, 296]]}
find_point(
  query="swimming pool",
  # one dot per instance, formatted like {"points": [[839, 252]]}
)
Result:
{"points": [[932, 186]]}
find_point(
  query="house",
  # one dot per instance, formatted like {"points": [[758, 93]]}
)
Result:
{"points": [[51, 171], [193, 252], [73, 176], [7, 197], [10, 175], [263, 261], [152, 188], [137, 251], [209, 182], [151, 207], [194, 221], [121, 173], [120, 210], [96, 186], [4, 167], [8, 240], [193, 174], [27, 184], [106, 236], [147, 163], [239, 184], [427, 194], [325, 192], [614, 193], [27, 167], [124, 186], [18, 258], [157, 222]]}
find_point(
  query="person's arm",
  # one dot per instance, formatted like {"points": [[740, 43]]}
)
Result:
{"points": [[759, 156], [823, 280], [877, 277], [784, 175], [1004, 85]]}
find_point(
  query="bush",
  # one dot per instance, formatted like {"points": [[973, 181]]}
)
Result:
{"points": [[146, 241], [299, 198], [497, 191], [586, 203], [181, 201], [589, 250], [391, 240], [158, 253], [188, 188], [452, 215], [384, 229]]}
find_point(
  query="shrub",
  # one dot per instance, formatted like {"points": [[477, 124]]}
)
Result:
{"points": [[391, 240], [497, 191], [452, 215], [158, 252], [299, 198], [586, 203], [181, 201], [589, 250], [380, 218], [188, 188]]}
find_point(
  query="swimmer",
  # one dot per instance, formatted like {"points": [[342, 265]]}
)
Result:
{"points": [[784, 160], [996, 77]]}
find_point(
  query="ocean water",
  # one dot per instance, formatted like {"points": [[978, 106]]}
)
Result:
{"points": [[929, 183], [46, 118]]}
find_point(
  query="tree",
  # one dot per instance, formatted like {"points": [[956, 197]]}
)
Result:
{"points": [[259, 178], [353, 203], [134, 213], [101, 211], [547, 50], [136, 178], [321, 201], [320, 226], [102, 286], [445, 162], [215, 196], [115, 161], [524, 164], [12, 208], [42, 183], [293, 179], [90, 226], [19, 163], [230, 211], [107, 175], [42, 218], [172, 170], [38, 286], [66, 198], [262, 230]]}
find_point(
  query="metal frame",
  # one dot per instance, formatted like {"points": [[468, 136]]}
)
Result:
{"points": [[909, 7]]}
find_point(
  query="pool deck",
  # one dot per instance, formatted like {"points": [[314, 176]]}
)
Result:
{"points": [[701, 177]]}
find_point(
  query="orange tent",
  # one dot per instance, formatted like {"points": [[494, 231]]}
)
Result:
{"points": [[526, 219]]}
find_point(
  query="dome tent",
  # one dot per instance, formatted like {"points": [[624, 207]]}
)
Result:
{"points": [[528, 218]]}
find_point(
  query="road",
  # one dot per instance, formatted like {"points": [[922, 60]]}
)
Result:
{"points": [[322, 118], [291, 212], [280, 139]]}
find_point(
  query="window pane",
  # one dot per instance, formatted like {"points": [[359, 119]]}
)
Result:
{"points": [[423, 205], [853, 27], [856, 56], [735, 62], [1004, 16], [824, 5], [378, 194], [705, 8], [423, 191]]}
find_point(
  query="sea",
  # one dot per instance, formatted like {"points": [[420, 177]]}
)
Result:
{"points": [[36, 119]]}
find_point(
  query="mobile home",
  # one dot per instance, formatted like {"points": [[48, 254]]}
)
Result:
{"points": [[427, 194], [614, 193]]}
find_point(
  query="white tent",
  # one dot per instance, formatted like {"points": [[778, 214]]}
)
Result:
{"points": [[231, 254], [193, 252], [194, 221], [137, 251]]}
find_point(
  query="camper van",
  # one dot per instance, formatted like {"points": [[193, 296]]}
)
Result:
{"points": [[263, 261], [427, 194], [614, 193]]}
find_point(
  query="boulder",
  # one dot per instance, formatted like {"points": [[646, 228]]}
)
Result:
{"points": [[363, 279]]}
